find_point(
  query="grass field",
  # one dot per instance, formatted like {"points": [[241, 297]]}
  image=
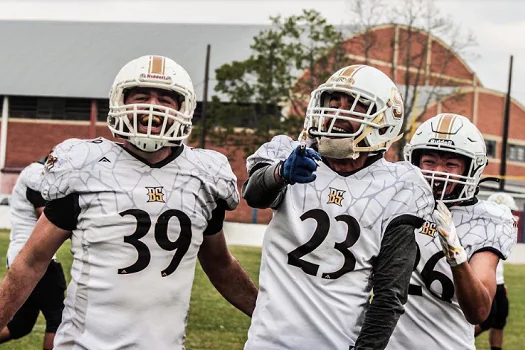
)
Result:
{"points": [[215, 325]]}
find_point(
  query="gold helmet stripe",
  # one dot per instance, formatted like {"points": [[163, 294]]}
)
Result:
{"points": [[156, 65], [445, 124], [350, 71]]}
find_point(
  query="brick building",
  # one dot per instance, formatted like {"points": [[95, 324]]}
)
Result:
{"points": [[56, 76]]}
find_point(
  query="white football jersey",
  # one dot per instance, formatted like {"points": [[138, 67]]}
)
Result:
{"points": [[433, 318], [23, 214], [138, 233], [319, 248]]}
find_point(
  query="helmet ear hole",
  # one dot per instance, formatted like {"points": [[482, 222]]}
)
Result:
{"points": [[384, 130], [325, 99], [416, 157]]}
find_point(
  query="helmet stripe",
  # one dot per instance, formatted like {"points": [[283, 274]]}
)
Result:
{"points": [[445, 124], [350, 71], [156, 65]]}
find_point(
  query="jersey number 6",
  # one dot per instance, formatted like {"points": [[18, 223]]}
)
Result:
{"points": [[429, 276], [320, 234], [161, 237]]}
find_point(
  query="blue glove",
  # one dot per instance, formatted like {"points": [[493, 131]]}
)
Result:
{"points": [[300, 165]]}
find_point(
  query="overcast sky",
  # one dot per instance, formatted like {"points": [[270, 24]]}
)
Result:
{"points": [[498, 25]]}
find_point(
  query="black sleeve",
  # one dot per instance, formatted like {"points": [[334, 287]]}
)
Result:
{"points": [[63, 212], [392, 270], [489, 249], [217, 218], [261, 190], [35, 198]]}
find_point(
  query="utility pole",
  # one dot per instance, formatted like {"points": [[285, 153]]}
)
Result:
{"points": [[505, 136], [205, 99]]}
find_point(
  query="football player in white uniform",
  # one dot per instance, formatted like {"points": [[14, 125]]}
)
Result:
{"points": [[500, 305], [138, 215], [454, 278], [27, 205], [343, 223]]}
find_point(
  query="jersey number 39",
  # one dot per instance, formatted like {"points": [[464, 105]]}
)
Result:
{"points": [[161, 237]]}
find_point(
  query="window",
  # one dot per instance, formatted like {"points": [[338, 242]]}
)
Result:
{"points": [[49, 108], [77, 108], [22, 107], [103, 109], [517, 153], [491, 148]]}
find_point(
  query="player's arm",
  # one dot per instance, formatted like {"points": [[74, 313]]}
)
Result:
{"points": [[264, 187], [29, 267], [266, 183], [475, 281], [392, 270], [223, 270]]}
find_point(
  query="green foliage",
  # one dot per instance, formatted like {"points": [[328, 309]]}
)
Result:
{"points": [[258, 88]]}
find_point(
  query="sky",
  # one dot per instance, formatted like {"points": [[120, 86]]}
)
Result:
{"points": [[497, 25]]}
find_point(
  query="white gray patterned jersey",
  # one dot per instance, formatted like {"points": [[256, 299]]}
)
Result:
{"points": [[319, 250], [136, 240], [23, 214], [433, 318]]}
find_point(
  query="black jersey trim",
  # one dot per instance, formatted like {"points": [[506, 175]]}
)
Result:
{"points": [[175, 152], [257, 167], [405, 219], [35, 198], [369, 161], [63, 212], [217, 218], [489, 249]]}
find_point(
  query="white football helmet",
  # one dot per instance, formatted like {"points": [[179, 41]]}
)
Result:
{"points": [[379, 127], [151, 72], [455, 134], [504, 199]]}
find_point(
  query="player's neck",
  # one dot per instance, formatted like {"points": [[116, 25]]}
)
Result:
{"points": [[347, 165], [150, 157]]}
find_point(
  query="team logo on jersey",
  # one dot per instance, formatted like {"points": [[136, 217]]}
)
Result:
{"points": [[335, 196], [429, 229], [156, 194]]}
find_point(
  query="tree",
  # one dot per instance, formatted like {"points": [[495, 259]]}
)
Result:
{"points": [[418, 23], [264, 92]]}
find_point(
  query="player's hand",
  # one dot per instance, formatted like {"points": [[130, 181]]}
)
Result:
{"points": [[300, 165], [450, 243]]}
